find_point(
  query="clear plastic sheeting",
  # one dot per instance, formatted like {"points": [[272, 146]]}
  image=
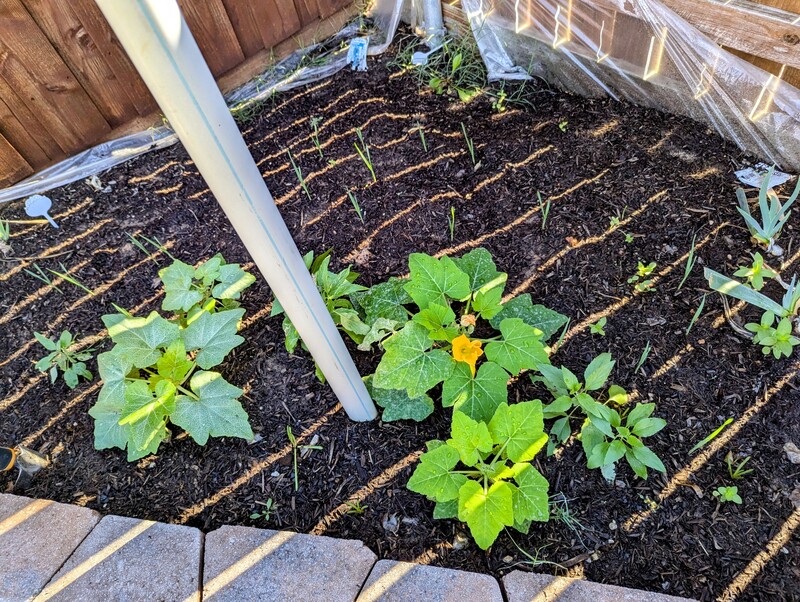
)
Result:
{"points": [[302, 67], [641, 51]]}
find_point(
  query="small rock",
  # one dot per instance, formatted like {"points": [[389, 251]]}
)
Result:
{"points": [[792, 452], [612, 525], [508, 559], [407, 520], [391, 524], [795, 497], [460, 540], [621, 484], [256, 439]]}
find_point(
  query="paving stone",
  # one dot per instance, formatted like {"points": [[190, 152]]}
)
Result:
{"points": [[37, 537], [242, 563], [131, 560], [533, 587], [392, 581]]}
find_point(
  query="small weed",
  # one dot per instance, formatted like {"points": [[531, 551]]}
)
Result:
{"points": [[356, 508], [5, 230], [72, 364], [158, 245], [643, 284], [65, 276], [690, 261], [451, 222], [598, 327], [469, 142], [295, 447], [266, 511], [499, 102], [712, 436], [315, 121], [421, 133], [363, 152], [562, 125], [697, 313], [299, 173], [41, 276], [628, 238], [755, 273], [356, 206], [737, 471], [727, 494], [544, 208], [615, 220], [773, 214], [561, 512], [643, 357]]}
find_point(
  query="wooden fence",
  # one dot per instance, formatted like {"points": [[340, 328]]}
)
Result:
{"points": [[66, 83]]}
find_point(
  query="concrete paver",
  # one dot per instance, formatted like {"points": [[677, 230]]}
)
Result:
{"points": [[242, 563], [393, 581], [37, 537], [131, 560], [533, 587]]}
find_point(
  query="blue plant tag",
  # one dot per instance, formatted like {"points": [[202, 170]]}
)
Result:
{"points": [[357, 53]]}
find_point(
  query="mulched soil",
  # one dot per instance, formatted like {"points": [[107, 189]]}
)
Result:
{"points": [[665, 534]]}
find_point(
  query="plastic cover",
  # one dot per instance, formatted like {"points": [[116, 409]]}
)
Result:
{"points": [[295, 70], [641, 51]]}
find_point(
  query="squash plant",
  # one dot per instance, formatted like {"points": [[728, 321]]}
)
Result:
{"points": [[498, 486], [159, 370], [444, 324]]}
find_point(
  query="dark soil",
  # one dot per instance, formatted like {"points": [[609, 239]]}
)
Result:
{"points": [[610, 159]]}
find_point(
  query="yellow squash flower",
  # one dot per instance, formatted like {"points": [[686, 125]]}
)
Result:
{"points": [[467, 351]]}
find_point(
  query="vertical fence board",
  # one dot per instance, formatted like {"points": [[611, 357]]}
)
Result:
{"points": [[32, 67], [277, 20], [243, 21], [108, 45], [22, 129], [12, 166], [214, 33], [308, 10]]}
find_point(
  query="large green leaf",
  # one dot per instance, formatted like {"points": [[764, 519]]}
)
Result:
{"points": [[435, 280], [217, 412], [397, 405], [479, 266], [208, 271], [432, 477], [145, 414], [486, 512], [214, 335], [470, 438], [520, 348], [232, 281], [335, 286], [107, 430], [530, 495], [138, 339], [538, 316], [407, 363], [520, 428], [378, 330], [476, 397], [384, 300], [113, 369], [179, 294]]}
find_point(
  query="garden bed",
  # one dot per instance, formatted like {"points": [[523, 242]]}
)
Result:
{"points": [[666, 178]]}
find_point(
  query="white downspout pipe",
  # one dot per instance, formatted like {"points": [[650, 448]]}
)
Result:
{"points": [[157, 40]]}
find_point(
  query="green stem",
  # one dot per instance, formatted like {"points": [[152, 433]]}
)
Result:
{"points": [[188, 393], [499, 452]]}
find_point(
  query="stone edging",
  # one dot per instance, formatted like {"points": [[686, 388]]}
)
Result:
{"points": [[58, 552]]}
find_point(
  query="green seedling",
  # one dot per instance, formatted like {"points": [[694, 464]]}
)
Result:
{"points": [[41, 276], [138, 244], [158, 245], [690, 261], [737, 470], [697, 313], [451, 222], [778, 341], [773, 214], [615, 220], [598, 327], [266, 511], [712, 436], [628, 237], [727, 494], [355, 204], [562, 125], [562, 513], [421, 133], [159, 371], [483, 474], [643, 357], [363, 152], [71, 363], [643, 284], [299, 173], [562, 336], [356, 508], [315, 121], [295, 447], [470, 144], [456, 68], [499, 102], [544, 208], [67, 277], [5, 230], [756, 273]]}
